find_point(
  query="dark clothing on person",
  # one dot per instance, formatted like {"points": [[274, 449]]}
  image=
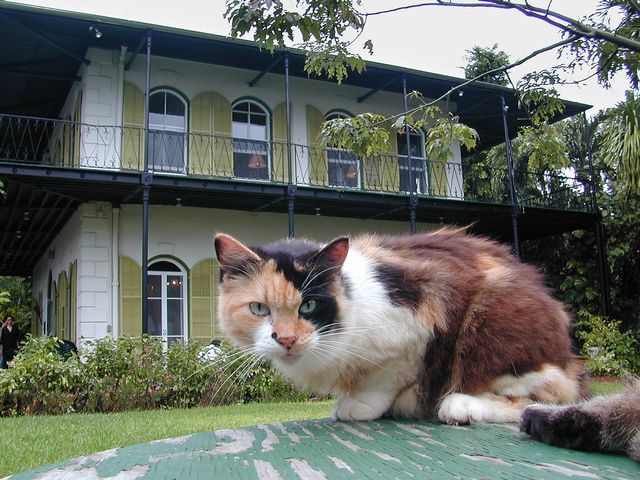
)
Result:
{"points": [[9, 341]]}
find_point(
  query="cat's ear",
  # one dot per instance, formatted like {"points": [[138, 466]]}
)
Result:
{"points": [[231, 254], [334, 253]]}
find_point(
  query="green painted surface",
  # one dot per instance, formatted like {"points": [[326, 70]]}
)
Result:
{"points": [[324, 449]]}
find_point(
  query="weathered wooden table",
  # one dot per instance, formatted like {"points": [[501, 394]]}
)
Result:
{"points": [[325, 449]]}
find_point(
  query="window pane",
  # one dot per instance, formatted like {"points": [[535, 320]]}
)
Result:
{"points": [[163, 266], [258, 119], [156, 120], [175, 122], [174, 105], [250, 165], [156, 103], [240, 117], [174, 317], [241, 107], [259, 132], [154, 286], [343, 168], [174, 286], [417, 144], [154, 317]]}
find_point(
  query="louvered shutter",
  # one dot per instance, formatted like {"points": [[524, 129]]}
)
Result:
{"points": [[130, 297], [202, 290]]}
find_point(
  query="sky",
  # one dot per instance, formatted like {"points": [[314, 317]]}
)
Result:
{"points": [[433, 39]]}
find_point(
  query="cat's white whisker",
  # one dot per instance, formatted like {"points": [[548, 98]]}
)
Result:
{"points": [[344, 350], [232, 377]]}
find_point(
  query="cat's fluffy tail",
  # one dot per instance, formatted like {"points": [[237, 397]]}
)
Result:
{"points": [[607, 424]]}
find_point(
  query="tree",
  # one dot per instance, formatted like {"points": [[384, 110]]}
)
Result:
{"points": [[480, 61], [605, 41]]}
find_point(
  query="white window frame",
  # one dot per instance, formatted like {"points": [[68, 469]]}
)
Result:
{"points": [[169, 129], [164, 336], [420, 189], [266, 141], [341, 151]]}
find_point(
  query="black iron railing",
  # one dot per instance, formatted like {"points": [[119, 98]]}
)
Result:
{"points": [[60, 143]]}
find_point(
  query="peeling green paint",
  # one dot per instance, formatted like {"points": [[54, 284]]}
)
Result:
{"points": [[322, 449]]}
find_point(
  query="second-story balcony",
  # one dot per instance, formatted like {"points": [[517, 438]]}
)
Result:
{"points": [[71, 145]]}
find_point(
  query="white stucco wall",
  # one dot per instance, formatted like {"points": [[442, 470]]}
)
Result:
{"points": [[187, 232], [86, 238], [101, 105]]}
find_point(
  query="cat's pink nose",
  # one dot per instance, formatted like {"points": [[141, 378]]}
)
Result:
{"points": [[286, 342]]}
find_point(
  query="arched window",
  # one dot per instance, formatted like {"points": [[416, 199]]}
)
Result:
{"points": [[167, 293], [344, 168], [250, 129], [167, 131], [418, 162]]}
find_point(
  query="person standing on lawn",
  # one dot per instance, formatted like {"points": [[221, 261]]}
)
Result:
{"points": [[10, 337]]}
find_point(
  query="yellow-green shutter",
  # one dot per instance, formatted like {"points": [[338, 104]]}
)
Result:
{"points": [[202, 288], [62, 306], [133, 128], [318, 169], [130, 297], [280, 160], [201, 140], [223, 145], [55, 324], [73, 299]]}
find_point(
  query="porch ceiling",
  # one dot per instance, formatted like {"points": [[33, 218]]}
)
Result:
{"points": [[40, 201], [47, 48]]}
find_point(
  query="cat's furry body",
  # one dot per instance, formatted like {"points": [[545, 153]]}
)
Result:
{"points": [[606, 424], [442, 324]]}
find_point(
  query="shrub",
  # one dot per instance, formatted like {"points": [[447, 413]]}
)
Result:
{"points": [[189, 373], [40, 380], [607, 350], [123, 374], [134, 373]]}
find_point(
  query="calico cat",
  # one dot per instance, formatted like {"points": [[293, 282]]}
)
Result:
{"points": [[606, 424], [441, 324]]}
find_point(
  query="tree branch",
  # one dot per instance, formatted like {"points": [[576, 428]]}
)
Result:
{"points": [[505, 68], [558, 20]]}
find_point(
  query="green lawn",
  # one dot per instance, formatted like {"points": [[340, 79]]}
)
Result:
{"points": [[28, 442]]}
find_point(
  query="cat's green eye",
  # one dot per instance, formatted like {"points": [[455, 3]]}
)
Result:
{"points": [[259, 309], [308, 306]]}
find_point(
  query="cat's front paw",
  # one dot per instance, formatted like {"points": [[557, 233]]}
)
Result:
{"points": [[461, 409], [569, 427], [352, 409]]}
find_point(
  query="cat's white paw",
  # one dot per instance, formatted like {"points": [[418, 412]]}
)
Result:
{"points": [[350, 408], [458, 408]]}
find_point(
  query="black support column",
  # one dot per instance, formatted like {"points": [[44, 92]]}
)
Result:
{"points": [[146, 180], [603, 263], [291, 187], [413, 199], [515, 211]]}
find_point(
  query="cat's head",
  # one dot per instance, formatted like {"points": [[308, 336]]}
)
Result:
{"points": [[279, 299]]}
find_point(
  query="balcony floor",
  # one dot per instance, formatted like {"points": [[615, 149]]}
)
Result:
{"points": [[51, 195]]}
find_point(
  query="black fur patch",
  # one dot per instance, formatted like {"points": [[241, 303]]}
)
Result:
{"points": [[294, 259], [568, 427], [402, 291]]}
